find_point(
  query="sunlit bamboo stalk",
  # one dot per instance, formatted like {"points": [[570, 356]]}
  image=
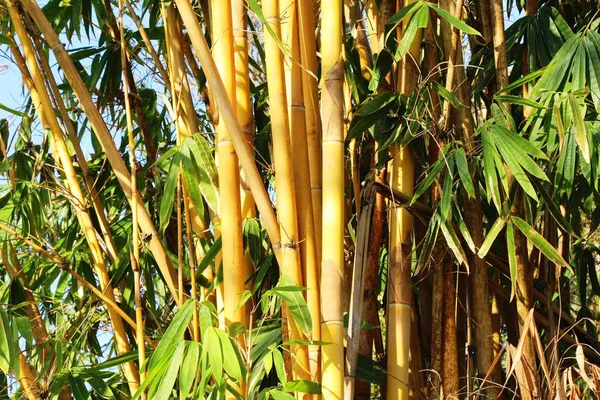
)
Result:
{"points": [[400, 242], [308, 56], [228, 168], [84, 218], [244, 112], [287, 206], [105, 139], [332, 113], [290, 30], [227, 113]]}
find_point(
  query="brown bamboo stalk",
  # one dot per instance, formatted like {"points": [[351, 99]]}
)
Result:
{"points": [[308, 56], [450, 349], [84, 218], [105, 139], [474, 220], [27, 379]]}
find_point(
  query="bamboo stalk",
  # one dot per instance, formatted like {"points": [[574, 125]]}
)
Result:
{"points": [[27, 379], [231, 220], [400, 244], [244, 114], [227, 113], [310, 90], [105, 139], [300, 158], [284, 175], [135, 235], [332, 331], [84, 218]]}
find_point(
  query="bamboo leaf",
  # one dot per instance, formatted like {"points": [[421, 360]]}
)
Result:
{"points": [[428, 181], [463, 171], [454, 243], [447, 95], [491, 237], [418, 20], [376, 103], [5, 334], [452, 20], [168, 198], [512, 258], [520, 101], [189, 368], [288, 291], [232, 361], [538, 241], [489, 168], [581, 136], [167, 382], [302, 386]]}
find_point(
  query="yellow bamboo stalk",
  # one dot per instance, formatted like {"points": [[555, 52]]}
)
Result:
{"points": [[105, 139], [27, 379], [228, 169], [372, 20], [284, 173], [300, 158], [332, 112], [244, 112], [121, 340], [135, 234], [400, 245], [227, 114], [308, 56]]}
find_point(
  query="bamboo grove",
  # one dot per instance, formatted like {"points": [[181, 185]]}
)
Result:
{"points": [[279, 199]]}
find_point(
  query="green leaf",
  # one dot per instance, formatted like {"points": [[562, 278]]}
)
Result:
{"points": [[463, 171], [168, 380], [6, 40], [512, 258], [513, 161], [446, 94], [538, 241], [302, 386], [279, 366], [5, 335], [173, 335], [232, 361], [279, 395], [376, 103], [579, 128], [13, 111], [489, 168], [418, 20], [428, 181], [189, 368], [206, 170], [288, 291], [454, 243], [491, 237], [168, 198], [452, 20], [211, 344], [520, 101]]}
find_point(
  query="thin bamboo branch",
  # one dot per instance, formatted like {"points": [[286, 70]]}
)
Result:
{"points": [[361, 253], [105, 139], [84, 218]]}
